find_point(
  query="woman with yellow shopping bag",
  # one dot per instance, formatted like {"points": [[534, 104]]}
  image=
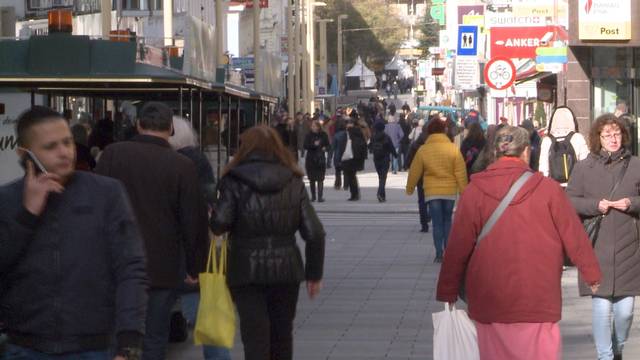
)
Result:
{"points": [[262, 204]]}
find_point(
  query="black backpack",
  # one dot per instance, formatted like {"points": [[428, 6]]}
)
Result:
{"points": [[377, 148], [562, 158]]}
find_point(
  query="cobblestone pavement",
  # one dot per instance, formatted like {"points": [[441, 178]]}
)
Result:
{"points": [[379, 286]]}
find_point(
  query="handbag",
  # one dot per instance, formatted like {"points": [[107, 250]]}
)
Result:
{"points": [[592, 225], [455, 336], [216, 319], [348, 151], [493, 219]]}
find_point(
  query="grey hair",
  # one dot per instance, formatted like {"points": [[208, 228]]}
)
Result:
{"points": [[184, 134], [511, 141]]}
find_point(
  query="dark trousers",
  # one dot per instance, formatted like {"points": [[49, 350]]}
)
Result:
{"points": [[423, 208], [266, 320], [351, 180], [159, 306], [382, 168], [339, 174]]}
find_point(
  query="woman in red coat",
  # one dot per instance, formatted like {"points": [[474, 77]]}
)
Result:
{"points": [[513, 276]]}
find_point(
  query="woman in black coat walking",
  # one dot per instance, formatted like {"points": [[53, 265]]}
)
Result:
{"points": [[382, 149], [262, 204], [315, 144]]}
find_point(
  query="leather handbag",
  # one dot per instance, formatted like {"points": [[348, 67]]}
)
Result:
{"points": [[592, 225]]}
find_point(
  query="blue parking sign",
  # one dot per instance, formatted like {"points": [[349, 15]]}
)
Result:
{"points": [[468, 40]]}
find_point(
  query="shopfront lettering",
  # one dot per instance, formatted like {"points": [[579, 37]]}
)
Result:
{"points": [[605, 31], [523, 42], [8, 142]]}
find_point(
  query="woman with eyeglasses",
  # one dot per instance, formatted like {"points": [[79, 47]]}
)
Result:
{"points": [[606, 184]]}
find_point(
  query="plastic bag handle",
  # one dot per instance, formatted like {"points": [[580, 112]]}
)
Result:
{"points": [[213, 265], [446, 307]]}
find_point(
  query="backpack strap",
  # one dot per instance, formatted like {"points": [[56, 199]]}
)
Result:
{"points": [[497, 213]]}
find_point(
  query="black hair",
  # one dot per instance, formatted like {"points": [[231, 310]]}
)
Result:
{"points": [[156, 116], [34, 116]]}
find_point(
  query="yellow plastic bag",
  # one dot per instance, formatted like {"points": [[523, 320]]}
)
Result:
{"points": [[216, 320]]}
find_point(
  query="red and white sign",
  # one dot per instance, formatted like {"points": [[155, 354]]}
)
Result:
{"points": [[500, 73], [521, 42]]}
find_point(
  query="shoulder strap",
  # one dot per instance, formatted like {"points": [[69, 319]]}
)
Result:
{"points": [[497, 213], [553, 138], [569, 136], [625, 165]]}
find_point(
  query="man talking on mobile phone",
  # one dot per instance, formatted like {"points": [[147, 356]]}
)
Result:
{"points": [[72, 266]]}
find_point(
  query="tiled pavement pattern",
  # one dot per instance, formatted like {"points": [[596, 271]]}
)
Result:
{"points": [[379, 287]]}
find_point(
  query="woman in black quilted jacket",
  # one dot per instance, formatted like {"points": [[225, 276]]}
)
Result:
{"points": [[262, 204]]}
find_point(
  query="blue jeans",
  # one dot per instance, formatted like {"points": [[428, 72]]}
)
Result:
{"points": [[609, 339], [423, 209], [190, 302], [395, 161], [19, 353], [158, 322], [382, 168], [441, 212]]}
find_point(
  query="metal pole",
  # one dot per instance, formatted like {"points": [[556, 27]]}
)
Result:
{"points": [[298, 57], [257, 71], [105, 12], [339, 50], [323, 53], [228, 128], [191, 107], [304, 29], [200, 129], [180, 105], [291, 93], [311, 91], [220, 32], [238, 126], [219, 137]]}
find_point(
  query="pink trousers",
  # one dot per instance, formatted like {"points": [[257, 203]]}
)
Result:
{"points": [[519, 341]]}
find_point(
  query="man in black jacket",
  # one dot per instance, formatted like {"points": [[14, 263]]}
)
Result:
{"points": [[165, 193], [72, 267]]}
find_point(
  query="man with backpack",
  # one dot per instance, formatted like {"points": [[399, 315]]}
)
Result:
{"points": [[352, 151], [563, 146]]}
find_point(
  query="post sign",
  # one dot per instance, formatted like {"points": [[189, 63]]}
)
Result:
{"points": [[522, 42], [604, 20], [500, 73], [467, 40]]}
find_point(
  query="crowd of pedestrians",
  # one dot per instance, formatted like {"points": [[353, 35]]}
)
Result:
{"points": [[106, 240]]}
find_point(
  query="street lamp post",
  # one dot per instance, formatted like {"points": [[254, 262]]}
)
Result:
{"points": [[323, 52], [340, 69], [291, 51], [256, 46]]}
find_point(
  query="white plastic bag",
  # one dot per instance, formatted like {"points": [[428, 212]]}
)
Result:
{"points": [[454, 335], [348, 151]]}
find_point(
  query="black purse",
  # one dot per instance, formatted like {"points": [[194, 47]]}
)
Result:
{"points": [[592, 225]]}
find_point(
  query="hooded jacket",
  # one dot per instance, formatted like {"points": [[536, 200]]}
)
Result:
{"points": [[562, 122], [617, 244], [262, 205], [514, 274]]}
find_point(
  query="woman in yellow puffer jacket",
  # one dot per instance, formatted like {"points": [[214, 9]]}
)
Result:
{"points": [[440, 165]]}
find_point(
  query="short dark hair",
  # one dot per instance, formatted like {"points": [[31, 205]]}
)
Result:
{"points": [[603, 120], [436, 126], [156, 116], [34, 116]]}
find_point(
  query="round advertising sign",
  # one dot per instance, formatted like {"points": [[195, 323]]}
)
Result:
{"points": [[500, 73]]}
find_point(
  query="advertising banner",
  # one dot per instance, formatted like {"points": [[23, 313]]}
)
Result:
{"points": [[604, 20], [521, 42]]}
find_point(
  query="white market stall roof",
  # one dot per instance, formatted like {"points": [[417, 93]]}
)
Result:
{"points": [[397, 64], [361, 71]]}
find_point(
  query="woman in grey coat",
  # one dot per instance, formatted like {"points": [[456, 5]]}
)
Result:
{"points": [[617, 246]]}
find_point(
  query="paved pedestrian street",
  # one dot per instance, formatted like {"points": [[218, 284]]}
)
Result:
{"points": [[379, 286]]}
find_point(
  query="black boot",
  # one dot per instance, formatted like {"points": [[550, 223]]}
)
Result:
{"points": [[617, 357], [312, 185], [320, 191]]}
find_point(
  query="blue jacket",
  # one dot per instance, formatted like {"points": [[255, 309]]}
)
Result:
{"points": [[395, 132], [75, 275], [339, 144]]}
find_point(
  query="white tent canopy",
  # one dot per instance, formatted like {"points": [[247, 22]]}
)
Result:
{"points": [[360, 70], [397, 64]]}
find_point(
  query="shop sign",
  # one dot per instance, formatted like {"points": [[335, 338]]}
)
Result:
{"points": [[500, 73], [493, 19], [543, 8], [604, 19], [437, 11], [550, 67], [437, 71], [467, 72], [465, 10], [551, 55], [521, 42], [263, 4]]}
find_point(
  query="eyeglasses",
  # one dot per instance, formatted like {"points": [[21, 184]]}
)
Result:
{"points": [[609, 137]]}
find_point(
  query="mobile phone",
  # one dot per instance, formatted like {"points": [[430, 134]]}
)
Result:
{"points": [[29, 155]]}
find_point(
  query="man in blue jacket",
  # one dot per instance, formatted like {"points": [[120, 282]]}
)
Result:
{"points": [[72, 267]]}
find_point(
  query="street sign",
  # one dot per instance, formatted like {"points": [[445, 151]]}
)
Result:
{"points": [[522, 42], [249, 4], [467, 40], [500, 73], [467, 72]]}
